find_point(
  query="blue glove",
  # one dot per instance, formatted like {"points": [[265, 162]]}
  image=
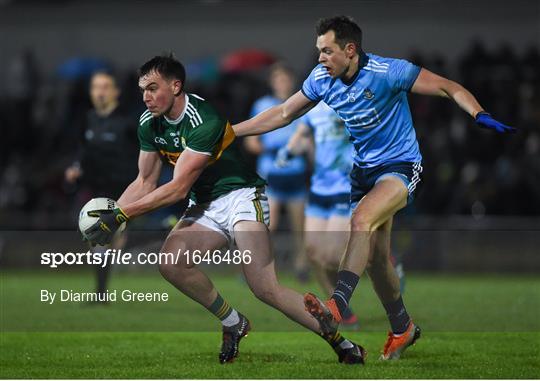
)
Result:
{"points": [[283, 157], [484, 120]]}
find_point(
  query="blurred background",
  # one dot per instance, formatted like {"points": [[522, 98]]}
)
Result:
{"points": [[480, 201]]}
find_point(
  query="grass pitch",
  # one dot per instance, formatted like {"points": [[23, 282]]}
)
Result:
{"points": [[474, 326]]}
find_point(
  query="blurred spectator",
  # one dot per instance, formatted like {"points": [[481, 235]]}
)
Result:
{"points": [[107, 155], [108, 146]]}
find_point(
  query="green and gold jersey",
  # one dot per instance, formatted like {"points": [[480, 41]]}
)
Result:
{"points": [[199, 129]]}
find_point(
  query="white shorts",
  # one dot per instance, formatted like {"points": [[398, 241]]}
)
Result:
{"points": [[221, 214]]}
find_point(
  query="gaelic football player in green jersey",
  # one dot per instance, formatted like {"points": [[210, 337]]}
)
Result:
{"points": [[227, 204]]}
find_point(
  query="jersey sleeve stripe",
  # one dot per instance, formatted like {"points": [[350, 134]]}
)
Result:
{"points": [[144, 115], [203, 153], [318, 78], [376, 67], [371, 60], [367, 68], [195, 112], [192, 119], [143, 121], [196, 96]]}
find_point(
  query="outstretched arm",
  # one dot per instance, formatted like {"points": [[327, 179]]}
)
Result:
{"points": [[275, 117], [429, 83]]}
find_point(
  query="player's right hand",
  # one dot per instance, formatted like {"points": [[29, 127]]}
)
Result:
{"points": [[283, 157], [103, 230]]}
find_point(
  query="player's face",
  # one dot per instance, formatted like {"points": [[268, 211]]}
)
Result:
{"points": [[331, 56], [158, 92], [103, 91], [282, 83]]}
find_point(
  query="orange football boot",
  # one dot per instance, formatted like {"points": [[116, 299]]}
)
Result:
{"points": [[396, 344]]}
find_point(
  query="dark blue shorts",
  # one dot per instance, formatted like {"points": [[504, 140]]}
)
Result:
{"points": [[284, 188], [324, 207], [364, 179]]}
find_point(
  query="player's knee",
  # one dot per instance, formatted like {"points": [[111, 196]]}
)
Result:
{"points": [[166, 270], [173, 267], [266, 295], [363, 222]]}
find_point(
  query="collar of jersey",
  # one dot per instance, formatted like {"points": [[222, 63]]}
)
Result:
{"points": [[363, 62], [179, 119]]}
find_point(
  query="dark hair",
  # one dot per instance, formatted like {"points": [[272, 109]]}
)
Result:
{"points": [[345, 28], [167, 66], [109, 73]]}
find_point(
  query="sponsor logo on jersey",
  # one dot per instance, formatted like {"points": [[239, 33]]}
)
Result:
{"points": [[368, 94], [160, 140]]}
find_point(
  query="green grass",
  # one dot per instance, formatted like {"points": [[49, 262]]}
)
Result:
{"points": [[474, 326]]}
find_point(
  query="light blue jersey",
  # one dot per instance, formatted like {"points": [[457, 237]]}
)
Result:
{"points": [[273, 141], [333, 152], [374, 108]]}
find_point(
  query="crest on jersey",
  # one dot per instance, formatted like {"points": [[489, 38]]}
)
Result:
{"points": [[184, 145], [368, 94]]}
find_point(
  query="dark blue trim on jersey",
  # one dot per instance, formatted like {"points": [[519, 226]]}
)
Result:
{"points": [[353, 78], [413, 80], [313, 100], [363, 60]]}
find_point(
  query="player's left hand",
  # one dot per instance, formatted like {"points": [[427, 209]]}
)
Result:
{"points": [[283, 157], [102, 232], [485, 120]]}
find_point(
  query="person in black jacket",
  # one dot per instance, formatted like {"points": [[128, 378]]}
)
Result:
{"points": [[106, 156]]}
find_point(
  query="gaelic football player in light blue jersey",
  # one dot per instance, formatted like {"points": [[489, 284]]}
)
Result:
{"points": [[369, 93], [327, 213]]}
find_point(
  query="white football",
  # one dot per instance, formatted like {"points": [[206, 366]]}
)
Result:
{"points": [[100, 203]]}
